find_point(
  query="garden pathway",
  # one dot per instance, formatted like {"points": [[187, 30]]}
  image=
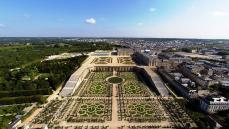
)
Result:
{"points": [[114, 104]]}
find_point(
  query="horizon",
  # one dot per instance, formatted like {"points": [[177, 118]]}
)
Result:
{"points": [[119, 37], [190, 19]]}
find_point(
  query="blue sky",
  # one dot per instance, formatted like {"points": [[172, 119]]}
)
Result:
{"points": [[115, 18]]}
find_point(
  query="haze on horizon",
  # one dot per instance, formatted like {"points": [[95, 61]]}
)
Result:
{"points": [[115, 18]]}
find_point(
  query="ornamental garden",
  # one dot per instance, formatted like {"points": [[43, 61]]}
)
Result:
{"points": [[107, 99], [141, 110], [102, 60], [133, 86], [125, 60], [90, 110], [97, 86]]}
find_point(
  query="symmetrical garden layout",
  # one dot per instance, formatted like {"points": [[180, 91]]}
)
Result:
{"points": [[102, 60], [125, 60], [113, 100]]}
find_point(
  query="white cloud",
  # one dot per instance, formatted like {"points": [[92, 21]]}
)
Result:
{"points": [[152, 9], [90, 21], [139, 23], [220, 13], [2, 25]]}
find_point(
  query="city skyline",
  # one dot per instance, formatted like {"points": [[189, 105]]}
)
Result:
{"points": [[115, 18]]}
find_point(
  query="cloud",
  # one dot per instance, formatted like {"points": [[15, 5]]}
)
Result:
{"points": [[139, 23], [90, 21], [2, 25], [152, 9], [220, 13]]}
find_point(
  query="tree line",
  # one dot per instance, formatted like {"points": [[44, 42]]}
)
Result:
{"points": [[23, 75]]}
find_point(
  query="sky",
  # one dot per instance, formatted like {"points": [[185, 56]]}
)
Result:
{"points": [[115, 18]]}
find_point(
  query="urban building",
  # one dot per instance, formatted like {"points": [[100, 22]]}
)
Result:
{"points": [[146, 59], [174, 57], [125, 52], [198, 74], [183, 86], [212, 104]]}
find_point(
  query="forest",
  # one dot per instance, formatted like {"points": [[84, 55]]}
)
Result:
{"points": [[25, 77]]}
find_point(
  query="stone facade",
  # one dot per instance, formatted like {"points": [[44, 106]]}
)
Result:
{"points": [[214, 104]]}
